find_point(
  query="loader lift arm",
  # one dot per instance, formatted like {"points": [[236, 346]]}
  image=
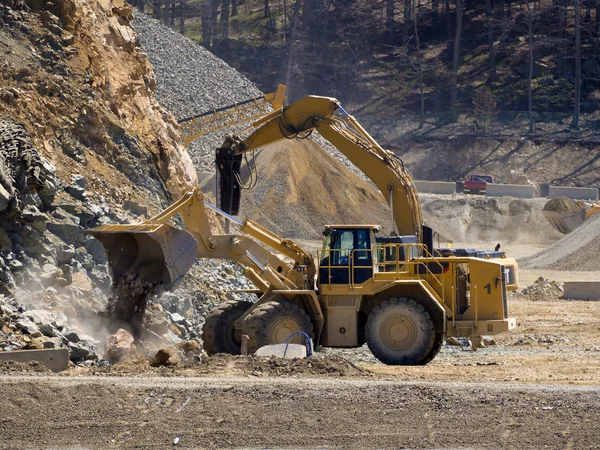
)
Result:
{"points": [[155, 250], [384, 168]]}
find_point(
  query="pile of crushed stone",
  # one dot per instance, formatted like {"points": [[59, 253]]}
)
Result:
{"points": [[577, 251], [542, 290], [562, 204]]}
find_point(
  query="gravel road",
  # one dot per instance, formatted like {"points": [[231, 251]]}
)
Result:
{"points": [[132, 412]]}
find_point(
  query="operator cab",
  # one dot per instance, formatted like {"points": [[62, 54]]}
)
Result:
{"points": [[347, 254]]}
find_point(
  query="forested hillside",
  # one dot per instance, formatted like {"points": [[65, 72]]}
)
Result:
{"points": [[429, 66]]}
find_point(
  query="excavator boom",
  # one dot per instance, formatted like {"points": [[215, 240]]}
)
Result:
{"points": [[384, 168]]}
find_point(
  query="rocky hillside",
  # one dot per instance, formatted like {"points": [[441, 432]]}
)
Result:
{"points": [[83, 142]]}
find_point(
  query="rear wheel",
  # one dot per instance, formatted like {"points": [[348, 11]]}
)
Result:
{"points": [[219, 333], [273, 322], [399, 331]]}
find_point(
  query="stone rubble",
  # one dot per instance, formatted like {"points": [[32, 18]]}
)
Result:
{"points": [[542, 290]]}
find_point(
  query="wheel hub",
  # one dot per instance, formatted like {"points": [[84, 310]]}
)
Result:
{"points": [[398, 332], [282, 329]]}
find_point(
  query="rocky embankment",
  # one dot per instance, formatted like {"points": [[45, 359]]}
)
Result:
{"points": [[83, 142]]}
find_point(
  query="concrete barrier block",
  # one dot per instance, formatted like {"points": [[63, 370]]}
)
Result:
{"points": [[582, 290], [510, 190], [435, 187], [573, 192], [55, 359]]}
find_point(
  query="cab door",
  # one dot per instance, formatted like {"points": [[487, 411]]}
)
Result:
{"points": [[346, 257]]}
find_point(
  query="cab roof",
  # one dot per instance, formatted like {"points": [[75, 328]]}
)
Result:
{"points": [[374, 227]]}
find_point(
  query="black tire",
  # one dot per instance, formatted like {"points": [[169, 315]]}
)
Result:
{"points": [[400, 332], [437, 346], [218, 332], [273, 322]]}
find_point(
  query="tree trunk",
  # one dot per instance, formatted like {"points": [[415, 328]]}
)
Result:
{"points": [[206, 13], [490, 32], [234, 11], [214, 16], [530, 70], [597, 28], [267, 9], [181, 16], [406, 24], [389, 20], [225, 19], [435, 16], [575, 123], [420, 68], [455, 60], [562, 22]]}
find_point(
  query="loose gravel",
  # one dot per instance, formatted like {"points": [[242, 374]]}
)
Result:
{"points": [[191, 80], [577, 251]]}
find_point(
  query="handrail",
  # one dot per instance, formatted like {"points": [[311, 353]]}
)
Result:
{"points": [[418, 263]]}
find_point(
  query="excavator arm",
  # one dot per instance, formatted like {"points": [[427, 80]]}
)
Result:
{"points": [[384, 168]]}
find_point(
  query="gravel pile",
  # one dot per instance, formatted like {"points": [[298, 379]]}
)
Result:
{"points": [[542, 290], [191, 80], [577, 251]]}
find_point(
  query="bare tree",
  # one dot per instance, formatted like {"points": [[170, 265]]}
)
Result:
{"points": [[389, 20], [575, 123], [490, 31], [418, 67], [530, 67], [456, 60], [224, 21], [406, 24]]}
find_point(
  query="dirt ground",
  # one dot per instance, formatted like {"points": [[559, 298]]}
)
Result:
{"points": [[536, 387]]}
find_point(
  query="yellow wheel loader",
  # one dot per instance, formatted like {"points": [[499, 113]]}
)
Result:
{"points": [[397, 293]]}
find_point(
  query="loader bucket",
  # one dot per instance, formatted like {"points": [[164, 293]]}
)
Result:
{"points": [[566, 221], [159, 254]]}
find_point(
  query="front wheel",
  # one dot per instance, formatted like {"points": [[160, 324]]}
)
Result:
{"points": [[400, 331], [273, 322], [219, 333]]}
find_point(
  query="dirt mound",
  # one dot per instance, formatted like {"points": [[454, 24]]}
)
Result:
{"points": [[542, 290], [482, 219], [301, 188], [266, 367], [562, 204], [577, 251]]}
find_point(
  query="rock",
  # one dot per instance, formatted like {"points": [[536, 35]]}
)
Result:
{"points": [[135, 208], [48, 330], [79, 180], [487, 341], [162, 357], [119, 345], [190, 348], [68, 232], [64, 253], [71, 335], [28, 327], [77, 192], [453, 341], [81, 282], [176, 317], [4, 198], [32, 214], [78, 351], [5, 242]]}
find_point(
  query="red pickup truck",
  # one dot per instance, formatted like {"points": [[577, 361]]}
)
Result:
{"points": [[476, 184]]}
